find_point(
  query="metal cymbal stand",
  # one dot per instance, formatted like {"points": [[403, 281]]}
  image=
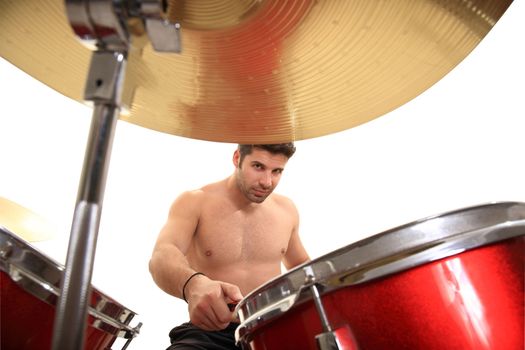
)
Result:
{"points": [[104, 26]]}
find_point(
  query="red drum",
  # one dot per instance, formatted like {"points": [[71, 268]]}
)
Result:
{"points": [[30, 284], [453, 281]]}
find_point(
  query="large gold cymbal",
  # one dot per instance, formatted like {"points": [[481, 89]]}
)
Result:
{"points": [[24, 222], [264, 71]]}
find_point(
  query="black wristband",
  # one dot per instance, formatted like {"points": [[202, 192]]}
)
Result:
{"points": [[186, 283]]}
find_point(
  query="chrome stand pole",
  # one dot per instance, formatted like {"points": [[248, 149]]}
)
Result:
{"points": [[104, 26], [104, 89]]}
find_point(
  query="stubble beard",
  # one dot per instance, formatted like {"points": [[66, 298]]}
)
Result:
{"points": [[241, 185]]}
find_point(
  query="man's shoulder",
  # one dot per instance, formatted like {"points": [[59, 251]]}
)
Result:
{"points": [[204, 192], [191, 194], [193, 201], [283, 201], [212, 189], [187, 201]]}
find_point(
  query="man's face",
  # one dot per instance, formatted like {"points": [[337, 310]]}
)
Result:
{"points": [[259, 173]]}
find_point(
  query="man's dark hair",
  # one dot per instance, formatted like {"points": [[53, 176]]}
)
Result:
{"points": [[286, 149]]}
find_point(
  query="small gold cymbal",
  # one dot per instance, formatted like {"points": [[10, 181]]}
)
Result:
{"points": [[264, 71], [24, 222]]}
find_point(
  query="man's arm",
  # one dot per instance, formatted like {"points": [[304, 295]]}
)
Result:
{"points": [[168, 264], [296, 253], [207, 299]]}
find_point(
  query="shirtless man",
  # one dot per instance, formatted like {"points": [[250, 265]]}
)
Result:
{"points": [[224, 240]]}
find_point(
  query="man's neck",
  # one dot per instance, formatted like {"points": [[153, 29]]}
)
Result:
{"points": [[237, 197]]}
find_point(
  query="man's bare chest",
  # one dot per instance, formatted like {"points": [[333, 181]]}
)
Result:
{"points": [[224, 236]]}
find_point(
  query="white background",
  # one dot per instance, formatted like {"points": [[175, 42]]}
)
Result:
{"points": [[460, 143]]}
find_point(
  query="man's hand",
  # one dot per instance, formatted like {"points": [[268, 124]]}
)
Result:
{"points": [[208, 302]]}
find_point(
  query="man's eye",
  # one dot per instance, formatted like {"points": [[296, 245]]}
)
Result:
{"points": [[278, 171], [257, 166]]}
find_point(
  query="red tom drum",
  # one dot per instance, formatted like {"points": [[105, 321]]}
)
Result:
{"points": [[452, 281], [30, 283]]}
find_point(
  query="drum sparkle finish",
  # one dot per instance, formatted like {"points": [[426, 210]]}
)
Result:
{"points": [[29, 287], [471, 298], [470, 301]]}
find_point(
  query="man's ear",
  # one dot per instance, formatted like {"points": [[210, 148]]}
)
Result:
{"points": [[236, 157]]}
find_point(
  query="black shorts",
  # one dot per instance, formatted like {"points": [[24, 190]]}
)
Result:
{"points": [[187, 336]]}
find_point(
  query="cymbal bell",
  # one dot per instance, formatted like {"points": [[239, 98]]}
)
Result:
{"points": [[24, 222], [263, 71]]}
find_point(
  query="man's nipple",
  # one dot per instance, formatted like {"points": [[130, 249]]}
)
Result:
{"points": [[207, 253]]}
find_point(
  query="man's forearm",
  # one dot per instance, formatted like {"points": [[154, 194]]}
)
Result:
{"points": [[170, 270]]}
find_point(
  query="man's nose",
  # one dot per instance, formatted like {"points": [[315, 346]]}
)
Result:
{"points": [[266, 180]]}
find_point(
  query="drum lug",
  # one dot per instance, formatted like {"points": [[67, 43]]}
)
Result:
{"points": [[136, 330], [6, 250], [340, 339], [244, 346], [310, 282]]}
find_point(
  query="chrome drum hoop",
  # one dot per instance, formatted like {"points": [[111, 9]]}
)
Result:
{"points": [[40, 276]]}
